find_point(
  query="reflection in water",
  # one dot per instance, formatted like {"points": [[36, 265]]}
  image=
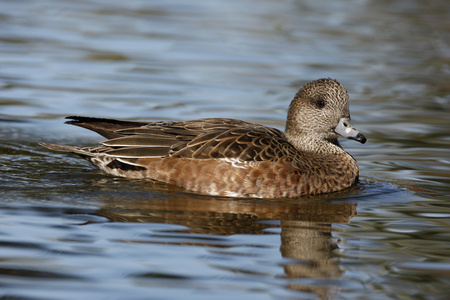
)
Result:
{"points": [[306, 228], [312, 245]]}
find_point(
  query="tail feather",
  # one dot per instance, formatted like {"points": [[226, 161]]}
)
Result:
{"points": [[104, 127], [84, 152]]}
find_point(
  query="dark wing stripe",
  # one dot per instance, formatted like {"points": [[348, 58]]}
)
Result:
{"points": [[117, 164]]}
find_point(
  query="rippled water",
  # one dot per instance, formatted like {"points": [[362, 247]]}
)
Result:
{"points": [[68, 231]]}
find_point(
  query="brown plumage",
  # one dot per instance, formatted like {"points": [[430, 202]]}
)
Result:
{"points": [[230, 157]]}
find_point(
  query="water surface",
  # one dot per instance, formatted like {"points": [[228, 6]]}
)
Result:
{"points": [[69, 231]]}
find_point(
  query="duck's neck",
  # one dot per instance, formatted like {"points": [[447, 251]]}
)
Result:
{"points": [[316, 145]]}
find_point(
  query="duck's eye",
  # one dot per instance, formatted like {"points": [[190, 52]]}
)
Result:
{"points": [[320, 103]]}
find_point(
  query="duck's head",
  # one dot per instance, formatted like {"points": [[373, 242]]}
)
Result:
{"points": [[320, 111]]}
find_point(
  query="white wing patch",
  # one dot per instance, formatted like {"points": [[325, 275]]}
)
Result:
{"points": [[236, 163]]}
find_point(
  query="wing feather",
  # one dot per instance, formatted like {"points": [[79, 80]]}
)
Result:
{"points": [[198, 139]]}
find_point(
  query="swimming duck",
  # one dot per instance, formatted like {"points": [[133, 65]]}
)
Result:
{"points": [[229, 157]]}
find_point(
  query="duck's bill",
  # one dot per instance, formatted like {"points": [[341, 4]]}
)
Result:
{"points": [[346, 129]]}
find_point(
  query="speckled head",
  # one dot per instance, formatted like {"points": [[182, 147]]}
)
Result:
{"points": [[320, 112]]}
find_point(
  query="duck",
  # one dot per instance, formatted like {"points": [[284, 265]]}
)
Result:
{"points": [[234, 158]]}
